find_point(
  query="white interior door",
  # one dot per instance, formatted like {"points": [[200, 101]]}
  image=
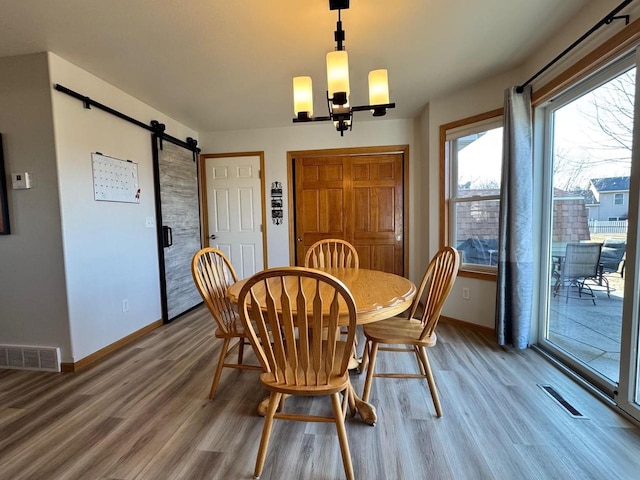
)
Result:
{"points": [[234, 210]]}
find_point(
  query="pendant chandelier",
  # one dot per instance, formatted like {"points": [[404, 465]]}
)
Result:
{"points": [[340, 112]]}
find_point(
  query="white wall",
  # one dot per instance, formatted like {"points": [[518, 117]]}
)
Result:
{"points": [[482, 97], [110, 255], [277, 142], [33, 305]]}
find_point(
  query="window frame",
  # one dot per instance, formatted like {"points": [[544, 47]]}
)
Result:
{"points": [[447, 176], [615, 198]]}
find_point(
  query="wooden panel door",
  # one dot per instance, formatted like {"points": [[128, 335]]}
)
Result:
{"points": [[357, 198], [378, 211], [321, 201]]}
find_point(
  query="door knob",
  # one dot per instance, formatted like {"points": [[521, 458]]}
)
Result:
{"points": [[299, 239], [212, 237]]}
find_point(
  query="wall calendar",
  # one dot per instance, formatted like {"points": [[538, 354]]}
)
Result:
{"points": [[115, 180]]}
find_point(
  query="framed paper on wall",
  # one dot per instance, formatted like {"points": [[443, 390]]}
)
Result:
{"points": [[4, 206]]}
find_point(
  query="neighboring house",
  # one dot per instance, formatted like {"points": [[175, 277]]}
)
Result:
{"points": [[608, 198]]}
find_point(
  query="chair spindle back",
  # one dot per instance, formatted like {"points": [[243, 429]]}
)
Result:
{"points": [[435, 288], [213, 274], [286, 328], [332, 253]]}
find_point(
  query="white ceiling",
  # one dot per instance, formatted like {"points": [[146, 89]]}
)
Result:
{"points": [[221, 65]]}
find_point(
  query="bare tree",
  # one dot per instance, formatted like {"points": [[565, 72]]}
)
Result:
{"points": [[612, 114], [609, 109], [570, 170], [480, 183]]}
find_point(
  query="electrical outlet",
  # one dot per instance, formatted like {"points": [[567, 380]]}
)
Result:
{"points": [[465, 293], [125, 305]]}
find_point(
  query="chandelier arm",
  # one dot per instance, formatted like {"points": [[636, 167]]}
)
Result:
{"points": [[311, 119], [364, 108]]}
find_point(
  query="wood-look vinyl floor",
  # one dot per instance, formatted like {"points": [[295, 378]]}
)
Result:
{"points": [[143, 413]]}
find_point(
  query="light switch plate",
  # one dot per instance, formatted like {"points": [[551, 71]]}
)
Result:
{"points": [[21, 180]]}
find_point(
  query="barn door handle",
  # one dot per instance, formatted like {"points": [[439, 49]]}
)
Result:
{"points": [[167, 236]]}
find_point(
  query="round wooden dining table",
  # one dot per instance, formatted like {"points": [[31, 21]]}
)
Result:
{"points": [[377, 295]]}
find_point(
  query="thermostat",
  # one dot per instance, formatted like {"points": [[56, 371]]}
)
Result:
{"points": [[20, 181]]}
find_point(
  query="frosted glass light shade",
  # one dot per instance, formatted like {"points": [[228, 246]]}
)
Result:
{"points": [[302, 95], [378, 87], [338, 73]]}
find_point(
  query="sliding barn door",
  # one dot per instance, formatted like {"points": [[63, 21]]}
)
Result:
{"points": [[357, 198], [180, 228]]}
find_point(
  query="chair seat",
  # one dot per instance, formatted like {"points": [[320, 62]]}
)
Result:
{"points": [[398, 330], [238, 331], [336, 383]]}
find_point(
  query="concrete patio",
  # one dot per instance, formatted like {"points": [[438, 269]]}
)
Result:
{"points": [[589, 332]]}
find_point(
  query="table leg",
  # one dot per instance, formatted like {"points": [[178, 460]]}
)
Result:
{"points": [[263, 406], [366, 410], [363, 362]]}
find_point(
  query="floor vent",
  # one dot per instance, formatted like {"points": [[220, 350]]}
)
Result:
{"points": [[30, 358], [570, 409]]}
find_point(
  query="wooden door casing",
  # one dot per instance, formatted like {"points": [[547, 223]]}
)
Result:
{"points": [[356, 197]]}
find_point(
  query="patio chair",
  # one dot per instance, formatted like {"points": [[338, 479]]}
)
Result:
{"points": [[613, 251], [581, 263]]}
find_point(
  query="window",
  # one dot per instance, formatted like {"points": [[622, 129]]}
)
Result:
{"points": [[472, 167], [618, 199]]}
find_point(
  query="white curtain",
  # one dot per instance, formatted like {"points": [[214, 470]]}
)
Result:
{"points": [[515, 250]]}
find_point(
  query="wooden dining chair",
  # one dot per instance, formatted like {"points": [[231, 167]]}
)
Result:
{"points": [[417, 330], [213, 274], [285, 312], [331, 253]]}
